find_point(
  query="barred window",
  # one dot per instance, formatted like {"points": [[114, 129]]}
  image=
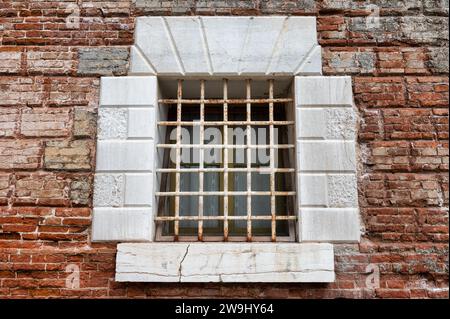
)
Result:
{"points": [[226, 168]]}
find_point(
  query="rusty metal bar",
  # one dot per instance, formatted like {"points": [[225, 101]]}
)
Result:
{"points": [[229, 101], [227, 170], [178, 160], [272, 165], [220, 193], [228, 123], [249, 159], [201, 160], [225, 160], [195, 218], [279, 146], [231, 239]]}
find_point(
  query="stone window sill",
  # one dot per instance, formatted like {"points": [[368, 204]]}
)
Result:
{"points": [[225, 262]]}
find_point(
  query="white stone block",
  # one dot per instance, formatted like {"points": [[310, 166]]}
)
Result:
{"points": [[261, 37], [156, 42], [323, 91], [225, 46], [158, 262], [109, 190], [125, 155], [342, 190], [195, 46], [310, 123], [189, 43], [326, 156], [326, 123], [122, 224], [329, 225], [312, 65], [328, 190], [312, 190], [112, 123], [139, 63], [222, 262], [128, 91], [141, 123], [296, 39], [139, 189]]}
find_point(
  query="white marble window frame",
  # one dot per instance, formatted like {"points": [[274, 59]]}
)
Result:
{"points": [[327, 208]]}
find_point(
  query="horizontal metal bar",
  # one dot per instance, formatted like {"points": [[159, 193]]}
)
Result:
{"points": [[220, 102], [196, 218], [221, 123], [242, 193], [230, 238], [230, 170], [207, 146]]}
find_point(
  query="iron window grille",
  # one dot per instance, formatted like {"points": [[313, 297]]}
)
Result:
{"points": [[200, 201]]}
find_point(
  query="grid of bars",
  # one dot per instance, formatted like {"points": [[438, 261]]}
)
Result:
{"points": [[225, 170]]}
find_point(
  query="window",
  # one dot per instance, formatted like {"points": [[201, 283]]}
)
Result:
{"points": [[194, 171], [228, 170]]}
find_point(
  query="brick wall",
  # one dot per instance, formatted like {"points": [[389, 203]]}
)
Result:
{"points": [[49, 88]]}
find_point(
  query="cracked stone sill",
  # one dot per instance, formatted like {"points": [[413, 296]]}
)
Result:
{"points": [[225, 262]]}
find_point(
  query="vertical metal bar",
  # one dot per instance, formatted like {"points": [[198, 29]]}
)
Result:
{"points": [[225, 160], [201, 160], [178, 161], [249, 165], [272, 164]]}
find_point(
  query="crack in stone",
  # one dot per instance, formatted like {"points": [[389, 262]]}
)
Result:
{"points": [[181, 262]]}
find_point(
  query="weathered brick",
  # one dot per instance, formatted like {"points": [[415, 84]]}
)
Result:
{"points": [[413, 124], [20, 154], [45, 123], [81, 190], [50, 60], [405, 190], [291, 6], [395, 30], [438, 61], [106, 8], [391, 7], [10, 60], [409, 156], [54, 31], [103, 61], [380, 92], [409, 224], [68, 155], [5, 188], [187, 6], [402, 61], [21, 91], [85, 122], [8, 121], [427, 91], [349, 61], [42, 189], [68, 91]]}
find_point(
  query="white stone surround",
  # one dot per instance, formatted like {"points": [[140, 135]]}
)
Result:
{"points": [[226, 46], [220, 262], [326, 159], [325, 146], [124, 178]]}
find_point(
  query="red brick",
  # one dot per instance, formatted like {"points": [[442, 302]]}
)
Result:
{"points": [[45, 123], [20, 154]]}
